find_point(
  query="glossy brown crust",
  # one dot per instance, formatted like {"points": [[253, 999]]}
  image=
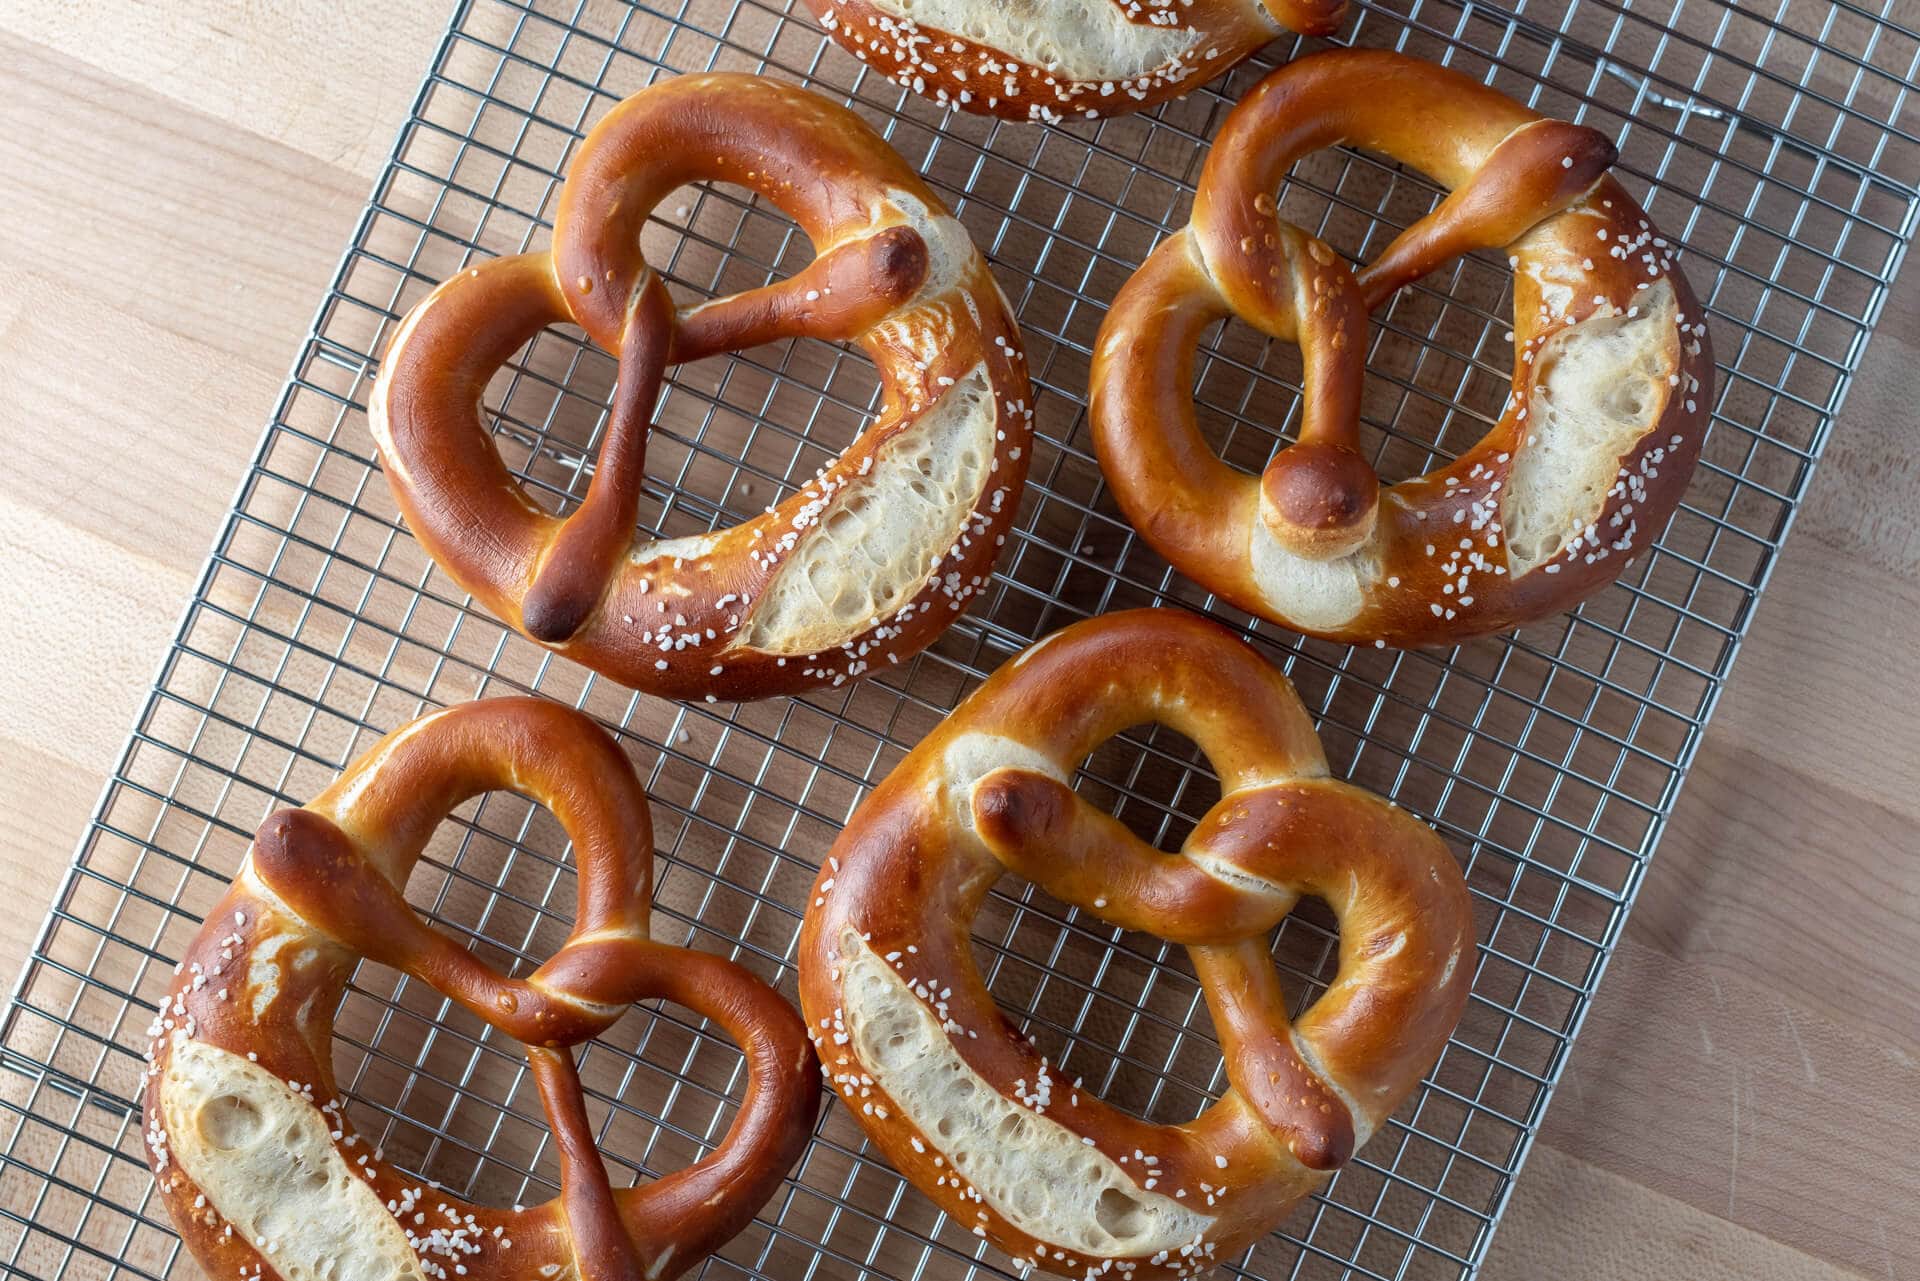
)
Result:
{"points": [[909, 872], [327, 879], [669, 618], [953, 70], [1539, 188]]}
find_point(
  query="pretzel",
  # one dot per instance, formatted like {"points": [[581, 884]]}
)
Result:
{"points": [[1592, 450], [251, 1147], [988, 1128], [1054, 60], [861, 567]]}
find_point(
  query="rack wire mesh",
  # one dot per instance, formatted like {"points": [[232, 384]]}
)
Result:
{"points": [[1779, 145]]}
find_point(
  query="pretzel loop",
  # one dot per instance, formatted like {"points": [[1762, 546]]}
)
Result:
{"points": [[1590, 454], [969, 1110], [324, 885], [870, 559], [790, 147]]}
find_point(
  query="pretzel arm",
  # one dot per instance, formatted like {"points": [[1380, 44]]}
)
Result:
{"points": [[849, 288], [601, 1249], [390, 800], [580, 561], [1301, 1111], [315, 870], [451, 485], [1320, 497], [1533, 173], [1042, 831], [813, 159]]}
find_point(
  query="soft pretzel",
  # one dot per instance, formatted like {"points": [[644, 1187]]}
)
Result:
{"points": [[984, 1125], [1054, 60], [873, 557], [259, 1167], [1592, 451]]}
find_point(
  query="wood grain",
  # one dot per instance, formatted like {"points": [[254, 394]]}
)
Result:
{"points": [[331, 81], [1571, 1219], [180, 180], [158, 284]]}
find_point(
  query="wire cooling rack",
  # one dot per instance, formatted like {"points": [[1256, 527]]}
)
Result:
{"points": [[1779, 146]]}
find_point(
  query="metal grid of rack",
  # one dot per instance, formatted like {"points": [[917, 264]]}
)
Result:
{"points": [[1778, 145]]}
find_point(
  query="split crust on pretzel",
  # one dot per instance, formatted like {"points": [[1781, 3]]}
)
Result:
{"points": [[963, 1104], [873, 557], [251, 1148], [1593, 449], [1054, 60]]}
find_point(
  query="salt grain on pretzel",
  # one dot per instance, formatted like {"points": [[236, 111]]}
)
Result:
{"points": [[987, 1127], [1593, 448], [251, 1147], [862, 567], [1055, 60]]}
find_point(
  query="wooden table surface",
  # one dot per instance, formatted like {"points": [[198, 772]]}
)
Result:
{"points": [[177, 182]]}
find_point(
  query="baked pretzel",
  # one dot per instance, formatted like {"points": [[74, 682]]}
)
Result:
{"points": [[960, 1101], [1592, 451], [1054, 60], [251, 1147], [863, 566]]}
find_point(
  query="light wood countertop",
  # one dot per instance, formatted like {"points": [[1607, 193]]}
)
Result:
{"points": [[177, 183]]}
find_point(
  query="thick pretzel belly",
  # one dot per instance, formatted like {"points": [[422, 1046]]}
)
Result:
{"points": [[1055, 60]]}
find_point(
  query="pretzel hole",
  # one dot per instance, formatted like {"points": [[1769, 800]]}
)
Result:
{"points": [[1439, 366], [731, 240], [661, 1090], [1438, 353], [1246, 394], [544, 408], [1306, 948], [1152, 778]]}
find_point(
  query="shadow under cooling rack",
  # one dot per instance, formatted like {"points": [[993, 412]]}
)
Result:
{"points": [[1779, 149]]}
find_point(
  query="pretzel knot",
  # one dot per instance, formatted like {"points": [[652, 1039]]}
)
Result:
{"points": [[250, 1143], [1592, 450], [871, 558], [964, 1105]]}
